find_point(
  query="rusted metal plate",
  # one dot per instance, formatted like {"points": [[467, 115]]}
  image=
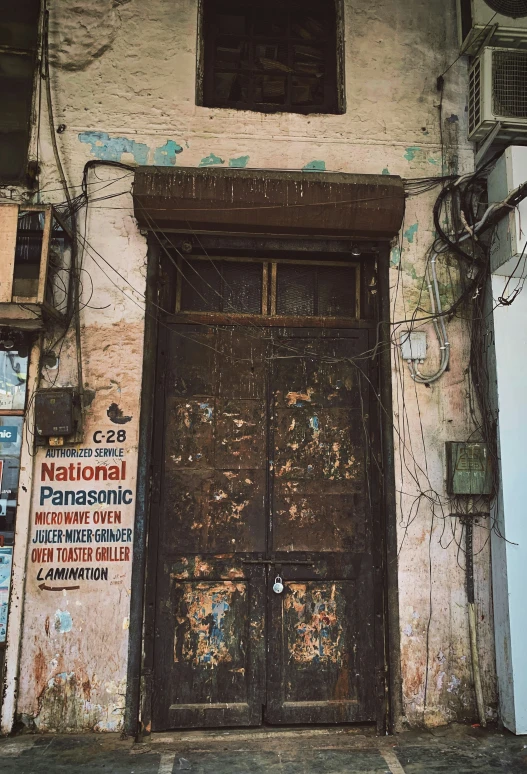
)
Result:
{"points": [[307, 520], [319, 372], [214, 511], [262, 202], [240, 434], [326, 444], [190, 433], [190, 363], [207, 630], [242, 362]]}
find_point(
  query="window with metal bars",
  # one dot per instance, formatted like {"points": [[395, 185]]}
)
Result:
{"points": [[271, 56], [286, 288], [18, 46]]}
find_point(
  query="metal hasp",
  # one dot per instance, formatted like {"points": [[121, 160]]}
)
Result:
{"points": [[55, 413], [264, 202], [468, 469]]}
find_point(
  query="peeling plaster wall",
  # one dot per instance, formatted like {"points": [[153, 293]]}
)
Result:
{"points": [[123, 79]]}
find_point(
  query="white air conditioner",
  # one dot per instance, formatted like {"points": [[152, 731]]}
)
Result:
{"points": [[510, 240], [479, 25], [498, 92], [35, 261]]}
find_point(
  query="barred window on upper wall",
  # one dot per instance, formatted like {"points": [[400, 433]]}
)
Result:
{"points": [[271, 56], [18, 47]]}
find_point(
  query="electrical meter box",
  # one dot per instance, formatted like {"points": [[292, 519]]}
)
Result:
{"points": [[55, 413], [468, 469]]}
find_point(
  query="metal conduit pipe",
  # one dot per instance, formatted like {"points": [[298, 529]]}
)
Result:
{"points": [[472, 620], [439, 327], [436, 306]]}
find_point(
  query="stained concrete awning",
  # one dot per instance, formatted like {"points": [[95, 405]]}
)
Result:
{"points": [[268, 202]]}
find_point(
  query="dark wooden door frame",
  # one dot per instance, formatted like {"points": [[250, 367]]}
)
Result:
{"points": [[137, 717]]}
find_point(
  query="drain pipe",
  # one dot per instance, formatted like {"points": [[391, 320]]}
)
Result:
{"points": [[469, 536]]}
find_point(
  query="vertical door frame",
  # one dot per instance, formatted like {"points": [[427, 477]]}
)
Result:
{"points": [[138, 688], [394, 702], [137, 719]]}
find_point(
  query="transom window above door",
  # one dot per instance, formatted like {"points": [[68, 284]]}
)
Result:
{"points": [[268, 287], [271, 56]]}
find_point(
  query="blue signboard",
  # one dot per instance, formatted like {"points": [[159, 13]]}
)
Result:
{"points": [[8, 434]]}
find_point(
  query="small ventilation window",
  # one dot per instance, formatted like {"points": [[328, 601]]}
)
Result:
{"points": [[311, 290], [271, 56], [509, 83], [221, 286]]}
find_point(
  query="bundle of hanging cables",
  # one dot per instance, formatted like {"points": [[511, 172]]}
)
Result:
{"points": [[466, 236]]}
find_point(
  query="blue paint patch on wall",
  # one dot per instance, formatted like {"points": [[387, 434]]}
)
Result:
{"points": [[385, 171], [411, 232], [452, 119], [433, 161], [315, 166], [63, 622], [211, 160], [239, 162], [109, 148], [165, 156], [411, 151], [395, 256]]}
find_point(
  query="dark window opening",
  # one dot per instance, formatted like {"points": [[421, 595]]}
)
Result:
{"points": [[28, 253], [311, 290], [465, 8], [18, 45], [220, 286], [271, 56]]}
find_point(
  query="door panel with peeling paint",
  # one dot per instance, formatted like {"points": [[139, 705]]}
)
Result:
{"points": [[265, 460], [209, 647], [321, 628]]}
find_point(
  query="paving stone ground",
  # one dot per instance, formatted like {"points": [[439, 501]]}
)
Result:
{"points": [[452, 750]]}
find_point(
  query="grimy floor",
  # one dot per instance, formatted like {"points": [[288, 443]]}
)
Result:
{"points": [[455, 750]]}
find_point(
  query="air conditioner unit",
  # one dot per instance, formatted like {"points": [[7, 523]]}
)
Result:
{"points": [[35, 262], [479, 25], [498, 92], [509, 244]]}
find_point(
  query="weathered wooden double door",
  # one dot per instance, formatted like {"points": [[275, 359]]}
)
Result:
{"points": [[267, 478]]}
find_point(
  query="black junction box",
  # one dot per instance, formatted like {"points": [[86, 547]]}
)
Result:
{"points": [[54, 412]]}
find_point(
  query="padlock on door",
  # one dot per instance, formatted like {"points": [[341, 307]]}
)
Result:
{"points": [[278, 585]]}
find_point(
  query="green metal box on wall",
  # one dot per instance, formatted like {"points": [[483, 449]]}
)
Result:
{"points": [[468, 468]]}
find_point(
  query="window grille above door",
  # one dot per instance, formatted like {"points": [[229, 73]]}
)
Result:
{"points": [[268, 287]]}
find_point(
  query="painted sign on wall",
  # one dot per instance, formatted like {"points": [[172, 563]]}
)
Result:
{"points": [[82, 522]]}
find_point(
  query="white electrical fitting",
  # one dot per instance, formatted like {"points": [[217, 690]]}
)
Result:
{"points": [[437, 314], [413, 346], [439, 327]]}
